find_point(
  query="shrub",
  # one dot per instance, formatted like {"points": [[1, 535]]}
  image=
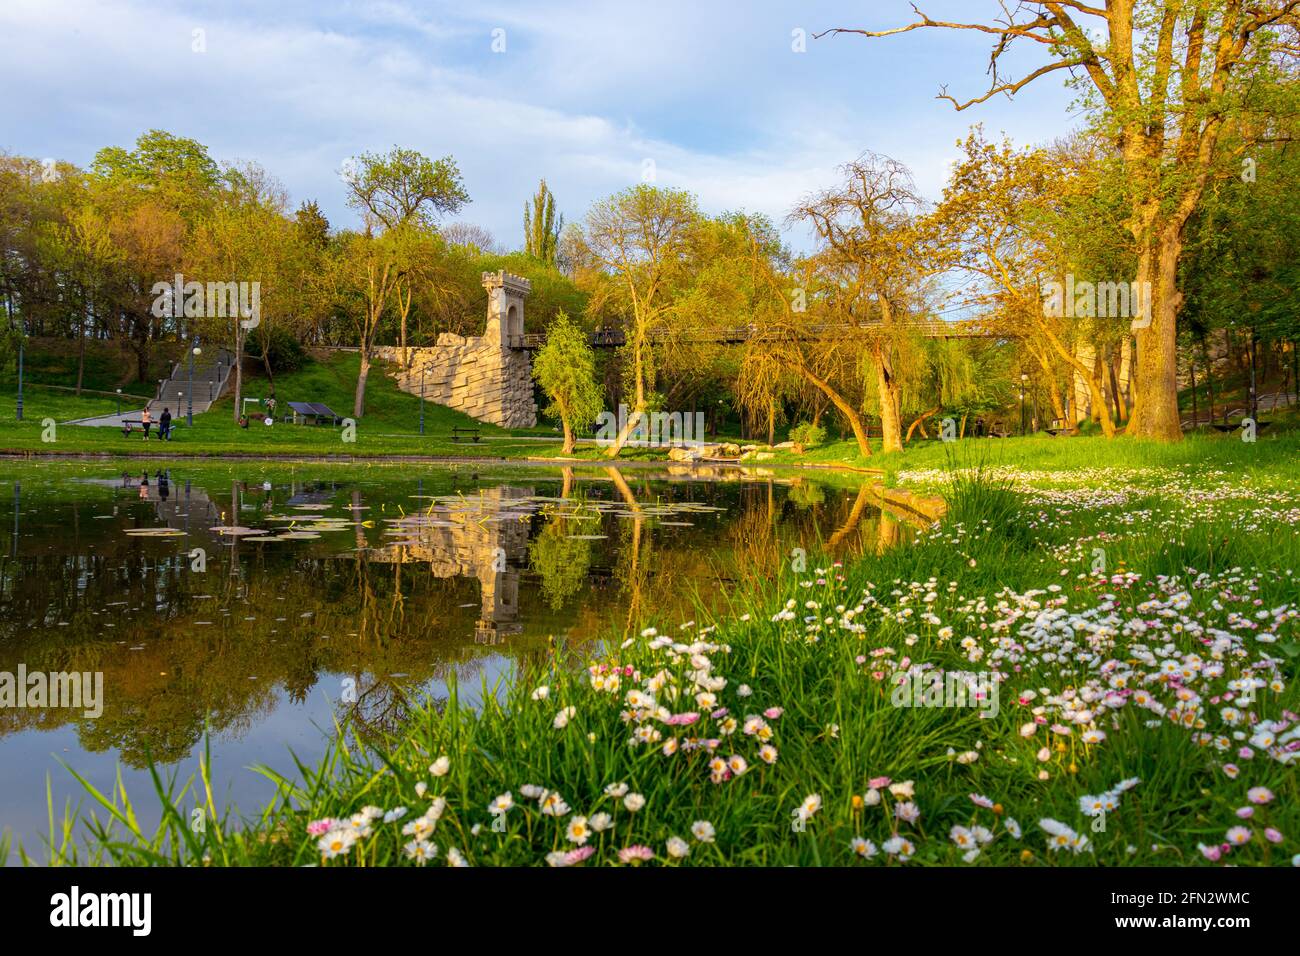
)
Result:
{"points": [[806, 435]]}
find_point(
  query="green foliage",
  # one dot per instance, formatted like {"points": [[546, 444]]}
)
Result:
{"points": [[565, 368], [807, 435], [403, 186], [281, 348], [10, 339], [561, 560], [542, 226], [313, 227]]}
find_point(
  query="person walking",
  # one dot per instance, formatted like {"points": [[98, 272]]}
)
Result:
{"points": [[165, 425], [146, 421]]}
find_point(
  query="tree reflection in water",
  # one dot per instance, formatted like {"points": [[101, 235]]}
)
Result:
{"points": [[395, 585]]}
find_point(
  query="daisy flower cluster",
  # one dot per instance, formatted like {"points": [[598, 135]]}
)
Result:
{"points": [[1253, 829]]}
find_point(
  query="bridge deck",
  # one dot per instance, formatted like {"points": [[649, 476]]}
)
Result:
{"points": [[614, 338]]}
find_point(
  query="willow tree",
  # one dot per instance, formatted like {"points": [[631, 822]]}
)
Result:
{"points": [[542, 225], [565, 368], [1165, 80], [869, 225]]}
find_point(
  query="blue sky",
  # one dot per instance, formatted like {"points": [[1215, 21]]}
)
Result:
{"points": [[584, 93]]}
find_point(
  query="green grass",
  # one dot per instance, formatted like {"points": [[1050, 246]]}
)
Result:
{"points": [[43, 401], [390, 425], [107, 368], [1015, 542]]}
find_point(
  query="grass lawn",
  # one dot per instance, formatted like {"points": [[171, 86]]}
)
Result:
{"points": [[1113, 631], [44, 401], [390, 425]]}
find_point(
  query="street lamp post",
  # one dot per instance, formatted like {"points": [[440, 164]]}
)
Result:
{"points": [[20, 378], [119, 403], [189, 408], [1023, 381], [421, 399]]}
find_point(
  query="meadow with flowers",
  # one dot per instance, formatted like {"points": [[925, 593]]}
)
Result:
{"points": [[1136, 622]]}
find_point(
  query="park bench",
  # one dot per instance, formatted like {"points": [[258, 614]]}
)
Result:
{"points": [[133, 426], [464, 432], [998, 430]]}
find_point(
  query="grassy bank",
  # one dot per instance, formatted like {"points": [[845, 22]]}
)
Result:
{"points": [[1129, 630]]}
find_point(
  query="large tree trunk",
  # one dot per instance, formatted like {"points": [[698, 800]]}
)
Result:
{"points": [[239, 371], [891, 426], [1112, 381], [1155, 411], [359, 400], [568, 435], [638, 412], [404, 305]]}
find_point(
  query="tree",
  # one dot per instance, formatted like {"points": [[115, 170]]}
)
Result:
{"points": [[469, 237], [638, 236], [81, 246], [402, 186], [367, 271], [996, 221], [868, 224], [565, 368], [1164, 78], [400, 196], [313, 227], [542, 225], [247, 238]]}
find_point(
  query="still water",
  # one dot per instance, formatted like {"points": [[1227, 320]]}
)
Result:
{"points": [[260, 604]]}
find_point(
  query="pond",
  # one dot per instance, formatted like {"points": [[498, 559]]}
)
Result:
{"points": [[260, 604]]}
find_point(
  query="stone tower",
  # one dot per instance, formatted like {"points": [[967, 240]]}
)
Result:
{"points": [[505, 317]]}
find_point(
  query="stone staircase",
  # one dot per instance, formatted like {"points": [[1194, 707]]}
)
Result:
{"points": [[211, 373]]}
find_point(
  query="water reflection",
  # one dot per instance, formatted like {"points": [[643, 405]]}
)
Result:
{"points": [[251, 607]]}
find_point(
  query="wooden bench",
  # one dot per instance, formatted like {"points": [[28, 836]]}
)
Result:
{"points": [[463, 432], [132, 426]]}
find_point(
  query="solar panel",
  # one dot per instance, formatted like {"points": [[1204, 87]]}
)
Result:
{"points": [[303, 408], [322, 409]]}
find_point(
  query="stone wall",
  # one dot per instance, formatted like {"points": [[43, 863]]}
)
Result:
{"points": [[481, 376]]}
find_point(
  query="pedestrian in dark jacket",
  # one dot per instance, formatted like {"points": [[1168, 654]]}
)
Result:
{"points": [[165, 425]]}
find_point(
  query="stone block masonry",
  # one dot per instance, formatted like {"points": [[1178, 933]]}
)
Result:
{"points": [[481, 376]]}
